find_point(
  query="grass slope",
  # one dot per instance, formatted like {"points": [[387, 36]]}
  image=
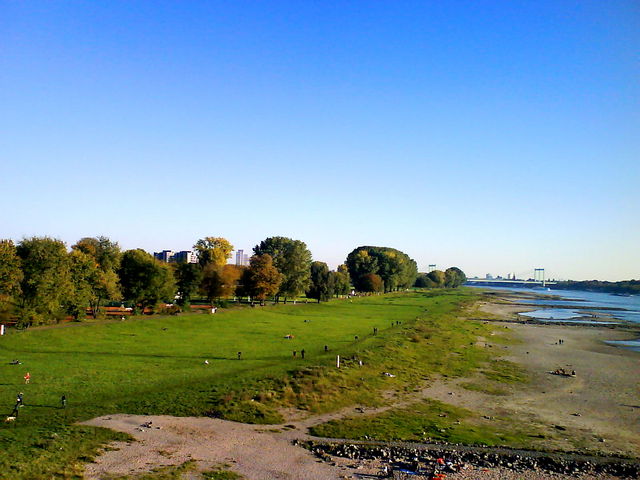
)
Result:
{"points": [[155, 365]]}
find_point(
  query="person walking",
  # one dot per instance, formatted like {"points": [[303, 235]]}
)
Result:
{"points": [[302, 353], [27, 377], [295, 353], [63, 401], [239, 355]]}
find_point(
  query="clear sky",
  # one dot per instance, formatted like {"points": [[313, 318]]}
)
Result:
{"points": [[497, 136]]}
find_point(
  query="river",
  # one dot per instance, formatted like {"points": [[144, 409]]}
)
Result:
{"points": [[581, 306]]}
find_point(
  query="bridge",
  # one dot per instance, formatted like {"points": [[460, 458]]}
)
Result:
{"points": [[493, 282]]}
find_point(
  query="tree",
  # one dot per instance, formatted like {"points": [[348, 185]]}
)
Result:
{"points": [[340, 281], [423, 281], [262, 277], [103, 281], [454, 277], [359, 264], [437, 277], [395, 268], [320, 286], [145, 281], [83, 273], [188, 277], [10, 277], [105, 252], [292, 258], [46, 280], [371, 282], [218, 282], [213, 250], [231, 275]]}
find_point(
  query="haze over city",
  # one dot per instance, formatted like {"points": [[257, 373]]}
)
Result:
{"points": [[495, 136]]}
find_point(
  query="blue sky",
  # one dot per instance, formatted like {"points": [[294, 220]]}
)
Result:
{"points": [[496, 136]]}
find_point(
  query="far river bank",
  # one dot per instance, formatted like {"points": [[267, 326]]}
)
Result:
{"points": [[568, 307]]}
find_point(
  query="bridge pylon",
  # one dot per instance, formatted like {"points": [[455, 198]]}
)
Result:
{"points": [[538, 275]]}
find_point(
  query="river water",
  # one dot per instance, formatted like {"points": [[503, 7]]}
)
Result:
{"points": [[581, 302]]}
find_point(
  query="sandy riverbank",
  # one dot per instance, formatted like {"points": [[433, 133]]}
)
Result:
{"points": [[598, 410]]}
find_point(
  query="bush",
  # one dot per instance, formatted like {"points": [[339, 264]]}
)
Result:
{"points": [[169, 309]]}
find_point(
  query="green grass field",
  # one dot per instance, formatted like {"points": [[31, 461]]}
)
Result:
{"points": [[155, 365]]}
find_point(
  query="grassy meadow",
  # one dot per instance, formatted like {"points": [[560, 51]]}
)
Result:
{"points": [[156, 365]]}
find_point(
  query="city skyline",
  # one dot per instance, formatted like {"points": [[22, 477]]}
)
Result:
{"points": [[490, 136]]}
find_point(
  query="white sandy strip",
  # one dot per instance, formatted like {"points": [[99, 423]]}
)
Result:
{"points": [[249, 450]]}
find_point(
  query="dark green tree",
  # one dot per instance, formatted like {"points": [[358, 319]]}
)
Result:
{"points": [[46, 281], [10, 278], [454, 277], [188, 277], [145, 281], [437, 277], [320, 287], [83, 272], [103, 281], [292, 258], [396, 269]]}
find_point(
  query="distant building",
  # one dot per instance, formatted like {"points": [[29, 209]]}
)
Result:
{"points": [[432, 267], [169, 256], [185, 256], [488, 276], [242, 258], [164, 256]]}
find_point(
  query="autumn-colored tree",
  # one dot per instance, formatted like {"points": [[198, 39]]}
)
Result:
{"points": [[218, 282], [371, 282], [263, 278], [213, 250], [231, 275]]}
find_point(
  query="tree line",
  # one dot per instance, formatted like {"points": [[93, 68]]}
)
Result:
{"points": [[625, 287], [41, 281], [452, 277]]}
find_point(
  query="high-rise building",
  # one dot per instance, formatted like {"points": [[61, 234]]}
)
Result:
{"points": [[185, 256], [164, 256], [242, 258]]}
